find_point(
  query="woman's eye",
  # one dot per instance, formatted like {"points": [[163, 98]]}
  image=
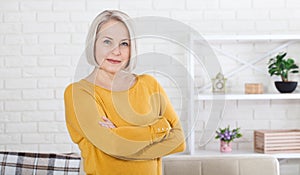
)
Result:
{"points": [[107, 42], [124, 44]]}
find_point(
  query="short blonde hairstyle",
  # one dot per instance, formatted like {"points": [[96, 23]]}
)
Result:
{"points": [[97, 23]]}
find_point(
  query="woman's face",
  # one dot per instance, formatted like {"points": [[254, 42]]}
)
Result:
{"points": [[112, 47]]}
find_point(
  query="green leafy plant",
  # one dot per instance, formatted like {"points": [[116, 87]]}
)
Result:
{"points": [[282, 67], [228, 135]]}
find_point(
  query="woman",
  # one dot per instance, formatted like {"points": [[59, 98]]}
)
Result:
{"points": [[123, 123]]}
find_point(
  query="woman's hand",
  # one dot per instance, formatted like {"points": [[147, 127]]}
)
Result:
{"points": [[107, 123]]}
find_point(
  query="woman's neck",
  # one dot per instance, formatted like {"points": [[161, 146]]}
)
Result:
{"points": [[111, 81], [101, 78]]}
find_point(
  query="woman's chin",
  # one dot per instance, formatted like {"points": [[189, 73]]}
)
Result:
{"points": [[112, 70]]}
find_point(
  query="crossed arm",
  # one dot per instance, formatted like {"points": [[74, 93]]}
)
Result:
{"points": [[162, 137]]}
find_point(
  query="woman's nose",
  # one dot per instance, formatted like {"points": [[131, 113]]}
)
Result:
{"points": [[116, 50]]}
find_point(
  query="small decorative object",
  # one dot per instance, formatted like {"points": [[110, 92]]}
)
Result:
{"points": [[254, 88], [218, 83], [277, 141], [226, 136], [282, 67], [225, 147]]}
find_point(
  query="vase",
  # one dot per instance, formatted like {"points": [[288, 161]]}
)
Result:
{"points": [[225, 147], [286, 87]]}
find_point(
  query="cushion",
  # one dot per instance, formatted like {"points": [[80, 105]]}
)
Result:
{"points": [[186, 167], [23, 163], [225, 165]]}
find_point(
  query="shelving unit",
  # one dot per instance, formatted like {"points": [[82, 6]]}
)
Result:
{"points": [[290, 39]]}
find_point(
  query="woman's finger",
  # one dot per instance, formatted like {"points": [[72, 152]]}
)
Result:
{"points": [[107, 123], [105, 119]]}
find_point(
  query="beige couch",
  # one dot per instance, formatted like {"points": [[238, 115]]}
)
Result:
{"points": [[220, 165]]}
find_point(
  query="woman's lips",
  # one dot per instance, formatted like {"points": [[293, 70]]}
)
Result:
{"points": [[112, 61]]}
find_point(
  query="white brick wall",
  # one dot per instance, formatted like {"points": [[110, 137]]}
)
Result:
{"points": [[135, 4], [10, 95], [269, 4], [20, 105], [10, 50], [53, 16], [20, 61], [37, 116], [69, 6], [20, 17], [20, 83], [41, 42], [35, 5], [39, 50], [9, 6], [202, 5], [253, 14], [236, 4], [36, 27], [166, 5], [25, 127]]}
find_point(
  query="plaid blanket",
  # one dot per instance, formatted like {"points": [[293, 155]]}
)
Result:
{"points": [[19, 163]]}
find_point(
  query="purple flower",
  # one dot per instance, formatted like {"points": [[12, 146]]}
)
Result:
{"points": [[228, 135]]}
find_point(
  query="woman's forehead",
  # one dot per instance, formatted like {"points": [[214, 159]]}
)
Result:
{"points": [[114, 29]]}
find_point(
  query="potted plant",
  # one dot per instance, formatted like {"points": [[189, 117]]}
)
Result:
{"points": [[226, 136], [282, 67]]}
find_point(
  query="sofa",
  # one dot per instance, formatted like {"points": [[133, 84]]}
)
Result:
{"points": [[22, 163], [220, 165]]}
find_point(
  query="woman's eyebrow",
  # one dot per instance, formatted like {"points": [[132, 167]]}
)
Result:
{"points": [[113, 39], [107, 37]]}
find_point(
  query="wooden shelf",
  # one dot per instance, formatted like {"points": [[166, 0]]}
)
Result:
{"points": [[291, 96], [249, 37], [215, 153]]}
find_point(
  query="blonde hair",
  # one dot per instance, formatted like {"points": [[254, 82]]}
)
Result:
{"points": [[102, 18]]}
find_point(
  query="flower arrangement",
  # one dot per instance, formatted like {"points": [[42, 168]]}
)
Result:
{"points": [[228, 135]]}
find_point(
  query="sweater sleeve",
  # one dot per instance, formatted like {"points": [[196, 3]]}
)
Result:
{"points": [[83, 112], [175, 142]]}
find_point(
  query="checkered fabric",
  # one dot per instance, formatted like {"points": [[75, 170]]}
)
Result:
{"points": [[18, 163]]}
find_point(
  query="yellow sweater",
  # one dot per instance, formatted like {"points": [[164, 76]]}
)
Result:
{"points": [[147, 127]]}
